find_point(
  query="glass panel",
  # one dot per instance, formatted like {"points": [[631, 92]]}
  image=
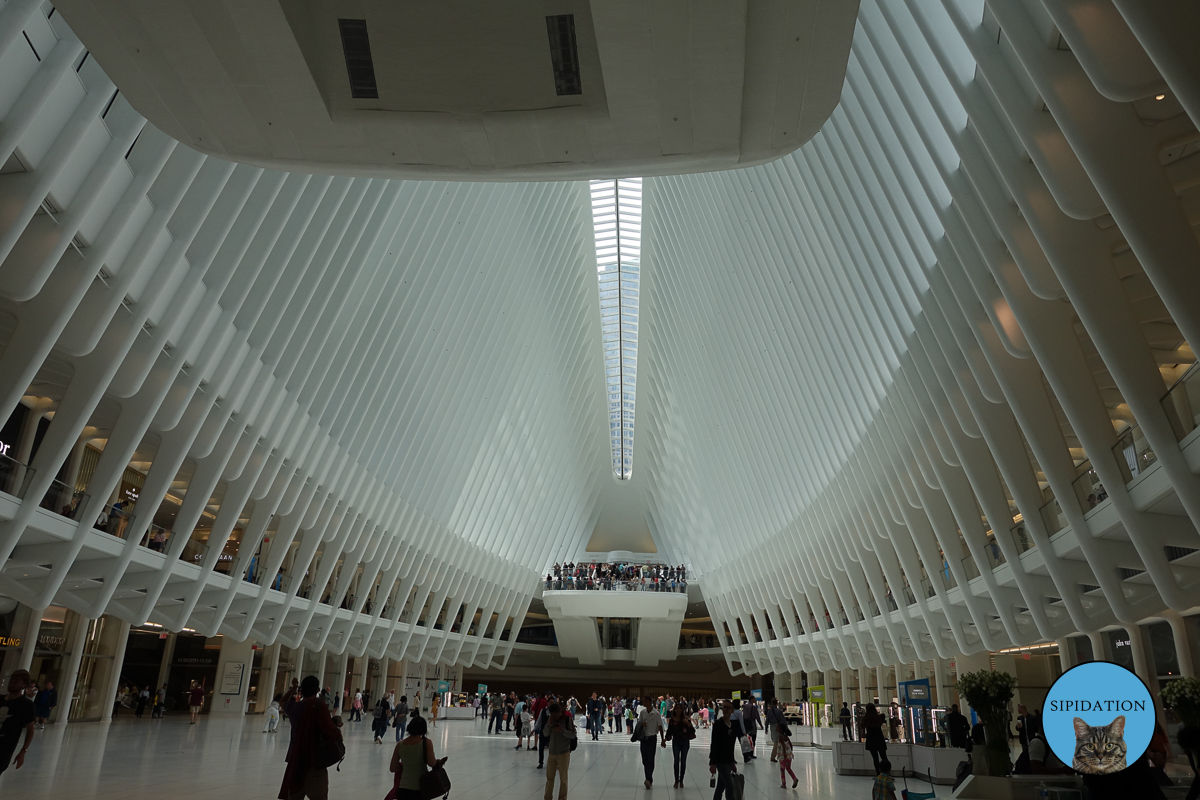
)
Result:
{"points": [[617, 223]]}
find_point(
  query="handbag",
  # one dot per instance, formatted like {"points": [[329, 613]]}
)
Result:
{"points": [[327, 752], [638, 732], [435, 783], [747, 745], [737, 786]]}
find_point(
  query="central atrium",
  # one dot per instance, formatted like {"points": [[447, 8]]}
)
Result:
{"points": [[326, 327]]}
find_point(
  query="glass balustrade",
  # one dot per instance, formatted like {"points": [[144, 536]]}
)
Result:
{"points": [[1088, 488], [1022, 539], [1182, 402], [1052, 516], [1133, 453], [970, 568]]}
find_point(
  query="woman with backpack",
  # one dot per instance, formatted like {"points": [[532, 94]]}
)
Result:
{"points": [[382, 717], [400, 717], [413, 758]]}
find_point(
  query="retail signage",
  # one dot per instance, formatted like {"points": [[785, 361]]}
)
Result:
{"points": [[756, 694], [915, 693], [816, 693], [1098, 717], [8, 641], [482, 688], [737, 695], [443, 687], [231, 680], [4, 448]]}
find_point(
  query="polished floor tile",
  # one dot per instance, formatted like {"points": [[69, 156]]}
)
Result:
{"points": [[232, 759]]}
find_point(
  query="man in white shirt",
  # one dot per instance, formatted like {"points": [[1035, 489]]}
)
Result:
{"points": [[650, 725]]}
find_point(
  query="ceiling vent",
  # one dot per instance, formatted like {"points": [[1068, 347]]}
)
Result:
{"points": [[564, 54], [359, 66]]}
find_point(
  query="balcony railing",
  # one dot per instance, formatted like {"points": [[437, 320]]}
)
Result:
{"points": [[1133, 453], [635, 585], [1021, 538], [1182, 402]]}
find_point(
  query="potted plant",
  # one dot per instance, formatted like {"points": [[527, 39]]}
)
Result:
{"points": [[989, 694], [1183, 697]]}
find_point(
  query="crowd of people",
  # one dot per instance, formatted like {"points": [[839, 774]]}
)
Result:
{"points": [[620, 575]]}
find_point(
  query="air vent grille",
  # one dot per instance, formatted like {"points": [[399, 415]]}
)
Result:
{"points": [[564, 54], [1126, 573], [359, 66], [1175, 553]]}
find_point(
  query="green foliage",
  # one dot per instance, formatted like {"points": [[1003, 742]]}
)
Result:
{"points": [[1183, 695], [988, 693]]}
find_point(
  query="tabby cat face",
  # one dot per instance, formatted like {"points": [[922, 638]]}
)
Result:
{"points": [[1100, 749]]}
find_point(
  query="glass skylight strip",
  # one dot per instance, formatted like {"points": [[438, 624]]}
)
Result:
{"points": [[617, 222]]}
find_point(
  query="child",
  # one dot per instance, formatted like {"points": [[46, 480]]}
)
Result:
{"points": [[273, 715], [884, 787], [785, 757], [526, 728]]}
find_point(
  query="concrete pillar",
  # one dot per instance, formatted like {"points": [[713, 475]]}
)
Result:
{"points": [[939, 681], [25, 444], [864, 689], [229, 696], [379, 681], [899, 676], [70, 675], [343, 669], [297, 671], [29, 643], [164, 667], [358, 668], [1183, 642], [1066, 658], [266, 678], [1137, 643], [322, 658], [114, 678], [1099, 646]]}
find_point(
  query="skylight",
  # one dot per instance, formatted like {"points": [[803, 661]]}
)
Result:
{"points": [[617, 218]]}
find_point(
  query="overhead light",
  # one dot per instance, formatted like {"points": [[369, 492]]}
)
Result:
{"points": [[1160, 97]]}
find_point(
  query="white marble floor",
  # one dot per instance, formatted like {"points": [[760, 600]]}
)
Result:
{"points": [[232, 759]]}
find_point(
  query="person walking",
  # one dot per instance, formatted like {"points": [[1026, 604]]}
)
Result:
{"points": [[774, 719], [311, 721], [356, 706], [382, 717], [16, 716], [876, 742], [595, 709], [196, 701], [273, 714], [559, 735], [722, 761], [143, 698], [844, 716], [510, 708], [957, 728], [46, 700], [411, 759], [650, 727], [160, 703], [752, 720], [526, 727], [540, 730], [435, 703], [400, 718], [680, 732]]}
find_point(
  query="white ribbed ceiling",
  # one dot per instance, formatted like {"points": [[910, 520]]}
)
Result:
{"points": [[890, 367]]}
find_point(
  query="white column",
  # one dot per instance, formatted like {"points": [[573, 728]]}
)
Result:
{"points": [[322, 657], [266, 678], [379, 683], [298, 663], [1099, 652], [863, 690], [29, 643], [232, 703], [1137, 643], [114, 678], [1064, 654], [164, 667], [66, 687], [939, 678], [1183, 642]]}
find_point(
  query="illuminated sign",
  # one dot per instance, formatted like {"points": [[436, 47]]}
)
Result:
{"points": [[7, 641]]}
